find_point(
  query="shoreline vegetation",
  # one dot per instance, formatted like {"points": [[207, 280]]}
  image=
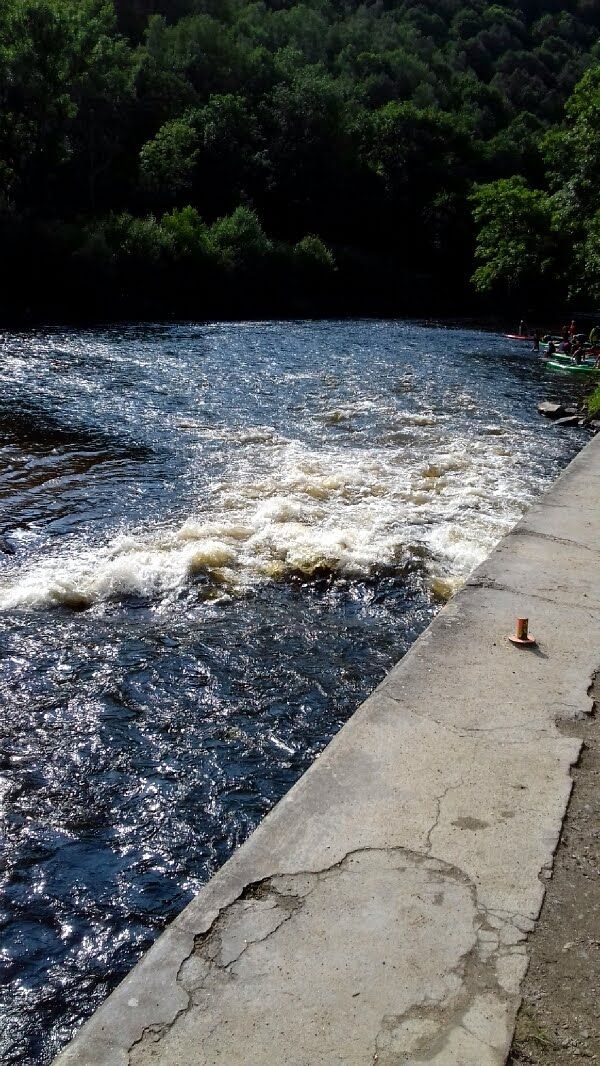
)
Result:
{"points": [[592, 404], [244, 158]]}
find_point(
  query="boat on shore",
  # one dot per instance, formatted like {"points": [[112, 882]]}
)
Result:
{"points": [[588, 361], [567, 366]]}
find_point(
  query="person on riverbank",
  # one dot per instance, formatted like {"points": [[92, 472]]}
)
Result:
{"points": [[579, 354], [522, 328], [536, 341]]}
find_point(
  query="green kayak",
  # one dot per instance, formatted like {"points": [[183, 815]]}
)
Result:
{"points": [[573, 368]]}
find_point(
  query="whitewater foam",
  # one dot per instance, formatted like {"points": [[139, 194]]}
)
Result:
{"points": [[285, 510]]}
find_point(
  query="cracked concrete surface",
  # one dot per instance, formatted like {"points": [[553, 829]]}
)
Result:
{"points": [[380, 913]]}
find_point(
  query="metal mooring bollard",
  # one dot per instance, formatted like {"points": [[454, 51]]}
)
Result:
{"points": [[521, 633]]}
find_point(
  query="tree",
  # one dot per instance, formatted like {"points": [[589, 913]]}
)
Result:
{"points": [[305, 130], [572, 153], [168, 161], [240, 240], [573, 157], [311, 252], [516, 241], [230, 160], [36, 105], [365, 123], [102, 90]]}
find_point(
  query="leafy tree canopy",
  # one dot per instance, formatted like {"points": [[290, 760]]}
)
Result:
{"points": [[381, 143]]}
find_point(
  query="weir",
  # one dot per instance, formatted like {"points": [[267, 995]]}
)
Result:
{"points": [[380, 913]]}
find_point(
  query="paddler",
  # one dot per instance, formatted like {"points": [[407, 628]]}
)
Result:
{"points": [[578, 354]]}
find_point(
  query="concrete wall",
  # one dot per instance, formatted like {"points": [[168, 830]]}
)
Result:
{"points": [[379, 915]]}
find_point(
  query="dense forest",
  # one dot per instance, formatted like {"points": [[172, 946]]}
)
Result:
{"points": [[209, 157]]}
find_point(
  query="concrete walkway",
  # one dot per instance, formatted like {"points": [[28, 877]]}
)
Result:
{"points": [[379, 915]]}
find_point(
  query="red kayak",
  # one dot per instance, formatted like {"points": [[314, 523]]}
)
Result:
{"points": [[518, 337]]}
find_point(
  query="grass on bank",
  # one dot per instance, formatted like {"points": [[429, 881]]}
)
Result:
{"points": [[593, 403]]}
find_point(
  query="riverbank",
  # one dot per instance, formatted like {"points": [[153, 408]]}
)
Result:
{"points": [[380, 913], [416, 305], [558, 1020]]}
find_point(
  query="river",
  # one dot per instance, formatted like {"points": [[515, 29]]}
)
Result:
{"points": [[216, 539]]}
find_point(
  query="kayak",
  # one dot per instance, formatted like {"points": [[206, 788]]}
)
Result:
{"points": [[589, 352], [544, 344], [573, 368], [518, 337]]}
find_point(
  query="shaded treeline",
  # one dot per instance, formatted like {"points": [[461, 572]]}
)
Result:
{"points": [[232, 157]]}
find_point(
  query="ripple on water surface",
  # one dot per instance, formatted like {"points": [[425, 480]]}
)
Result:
{"points": [[214, 541]]}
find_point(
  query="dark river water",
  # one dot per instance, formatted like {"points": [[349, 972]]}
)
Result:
{"points": [[214, 542]]}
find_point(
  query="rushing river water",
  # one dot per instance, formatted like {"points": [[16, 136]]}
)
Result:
{"points": [[215, 541]]}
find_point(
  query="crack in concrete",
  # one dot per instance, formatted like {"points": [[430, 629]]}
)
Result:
{"points": [[443, 1017], [225, 967], [528, 532], [156, 1032], [513, 918], [505, 729], [472, 972], [484, 1043], [490, 585], [439, 801], [465, 732]]}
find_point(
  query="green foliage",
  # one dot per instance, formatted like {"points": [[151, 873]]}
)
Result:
{"points": [[573, 151], [593, 403], [416, 150], [124, 239], [168, 161], [179, 249], [240, 240], [66, 82], [585, 263], [35, 104], [189, 233], [526, 235], [515, 244], [158, 136], [313, 255], [573, 156]]}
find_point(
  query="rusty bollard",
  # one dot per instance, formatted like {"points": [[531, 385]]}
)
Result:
{"points": [[521, 634]]}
